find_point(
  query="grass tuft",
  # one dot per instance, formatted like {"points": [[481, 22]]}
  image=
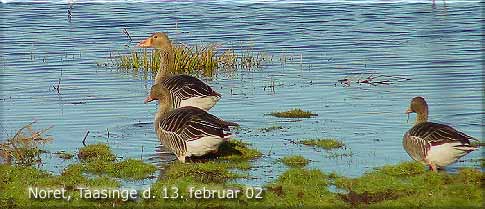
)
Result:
{"points": [[294, 113], [200, 59]]}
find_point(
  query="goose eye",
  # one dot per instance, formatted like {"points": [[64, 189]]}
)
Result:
{"points": [[154, 36]]}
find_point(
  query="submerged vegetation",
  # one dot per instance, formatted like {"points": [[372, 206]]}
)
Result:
{"points": [[327, 144], [294, 113], [294, 161], [271, 128]]}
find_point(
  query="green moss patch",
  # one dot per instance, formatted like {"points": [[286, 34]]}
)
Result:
{"points": [[236, 150], [201, 172], [96, 152], [16, 181], [327, 144], [294, 113], [294, 161], [299, 187], [233, 155], [129, 169], [405, 185], [411, 185]]}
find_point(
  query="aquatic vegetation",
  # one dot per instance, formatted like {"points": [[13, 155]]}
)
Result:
{"points": [[198, 59], [271, 128], [327, 144], [64, 155], [201, 172], [294, 161], [341, 154], [407, 184], [294, 113], [236, 150], [99, 159], [372, 79], [23, 148], [96, 152], [219, 167]]}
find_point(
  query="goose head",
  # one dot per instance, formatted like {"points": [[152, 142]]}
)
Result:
{"points": [[158, 40], [158, 92], [420, 107]]}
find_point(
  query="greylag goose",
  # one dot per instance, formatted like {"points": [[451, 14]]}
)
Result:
{"points": [[436, 145], [187, 131], [185, 90]]}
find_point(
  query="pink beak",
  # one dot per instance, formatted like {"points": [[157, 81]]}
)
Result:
{"points": [[148, 99]]}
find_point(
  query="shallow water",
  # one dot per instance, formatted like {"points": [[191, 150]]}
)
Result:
{"points": [[437, 47]]}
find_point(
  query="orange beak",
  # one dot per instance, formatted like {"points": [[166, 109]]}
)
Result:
{"points": [[145, 43], [148, 99]]}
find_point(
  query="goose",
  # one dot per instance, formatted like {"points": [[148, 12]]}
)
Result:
{"points": [[433, 144], [187, 131], [185, 90]]}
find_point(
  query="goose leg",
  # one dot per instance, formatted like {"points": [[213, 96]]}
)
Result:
{"points": [[431, 165], [181, 158]]}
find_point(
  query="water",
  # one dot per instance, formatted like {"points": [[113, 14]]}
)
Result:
{"points": [[437, 47]]}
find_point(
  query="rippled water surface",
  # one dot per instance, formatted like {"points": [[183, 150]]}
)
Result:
{"points": [[437, 47]]}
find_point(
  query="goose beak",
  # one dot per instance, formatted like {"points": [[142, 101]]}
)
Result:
{"points": [[148, 99], [144, 44], [408, 111]]}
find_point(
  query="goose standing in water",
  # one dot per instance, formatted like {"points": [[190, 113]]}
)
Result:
{"points": [[187, 131], [434, 144], [185, 90]]}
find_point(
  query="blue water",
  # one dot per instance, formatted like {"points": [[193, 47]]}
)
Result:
{"points": [[436, 46]]}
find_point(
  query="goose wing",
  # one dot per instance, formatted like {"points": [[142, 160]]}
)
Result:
{"points": [[184, 87], [191, 123], [436, 134]]}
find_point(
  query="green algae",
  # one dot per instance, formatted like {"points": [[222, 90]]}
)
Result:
{"points": [[294, 113], [294, 161], [327, 144]]}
